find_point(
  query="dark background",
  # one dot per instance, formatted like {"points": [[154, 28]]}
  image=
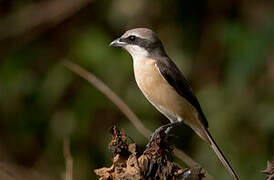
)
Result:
{"points": [[225, 48]]}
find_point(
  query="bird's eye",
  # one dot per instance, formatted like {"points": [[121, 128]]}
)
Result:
{"points": [[132, 38]]}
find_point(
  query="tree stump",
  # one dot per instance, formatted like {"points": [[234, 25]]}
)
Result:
{"points": [[155, 162]]}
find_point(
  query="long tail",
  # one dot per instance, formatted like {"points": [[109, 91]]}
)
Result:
{"points": [[221, 156]]}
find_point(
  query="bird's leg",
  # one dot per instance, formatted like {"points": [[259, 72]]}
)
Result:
{"points": [[170, 128], [165, 128]]}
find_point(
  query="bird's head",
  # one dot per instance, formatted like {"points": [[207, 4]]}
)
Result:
{"points": [[139, 42]]}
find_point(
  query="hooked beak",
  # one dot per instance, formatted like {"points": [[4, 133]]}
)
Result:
{"points": [[117, 43]]}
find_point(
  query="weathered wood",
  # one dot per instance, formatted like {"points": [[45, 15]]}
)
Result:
{"points": [[155, 162]]}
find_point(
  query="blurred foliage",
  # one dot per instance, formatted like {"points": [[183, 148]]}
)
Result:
{"points": [[225, 48]]}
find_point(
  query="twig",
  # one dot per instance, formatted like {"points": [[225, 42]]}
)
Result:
{"points": [[110, 94], [124, 108], [69, 160]]}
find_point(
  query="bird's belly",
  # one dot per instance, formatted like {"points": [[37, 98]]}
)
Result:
{"points": [[162, 95]]}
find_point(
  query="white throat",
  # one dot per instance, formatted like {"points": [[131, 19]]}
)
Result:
{"points": [[137, 52]]}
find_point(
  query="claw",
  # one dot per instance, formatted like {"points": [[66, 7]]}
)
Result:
{"points": [[165, 128]]}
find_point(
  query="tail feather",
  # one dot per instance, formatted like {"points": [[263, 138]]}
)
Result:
{"points": [[221, 156]]}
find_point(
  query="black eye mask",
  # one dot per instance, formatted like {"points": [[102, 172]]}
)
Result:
{"points": [[144, 43]]}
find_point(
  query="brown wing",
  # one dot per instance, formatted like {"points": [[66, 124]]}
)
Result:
{"points": [[174, 77]]}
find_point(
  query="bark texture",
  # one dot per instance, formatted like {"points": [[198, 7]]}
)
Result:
{"points": [[155, 162]]}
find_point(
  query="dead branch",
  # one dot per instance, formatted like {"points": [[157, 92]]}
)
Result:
{"points": [[68, 159], [155, 162], [110, 94]]}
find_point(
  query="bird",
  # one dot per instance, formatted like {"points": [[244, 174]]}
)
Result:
{"points": [[165, 87]]}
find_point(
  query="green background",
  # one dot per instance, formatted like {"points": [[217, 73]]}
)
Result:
{"points": [[225, 49]]}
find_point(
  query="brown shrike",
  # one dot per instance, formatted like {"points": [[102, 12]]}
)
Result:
{"points": [[165, 87]]}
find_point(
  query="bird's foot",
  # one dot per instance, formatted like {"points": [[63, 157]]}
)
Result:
{"points": [[165, 129]]}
